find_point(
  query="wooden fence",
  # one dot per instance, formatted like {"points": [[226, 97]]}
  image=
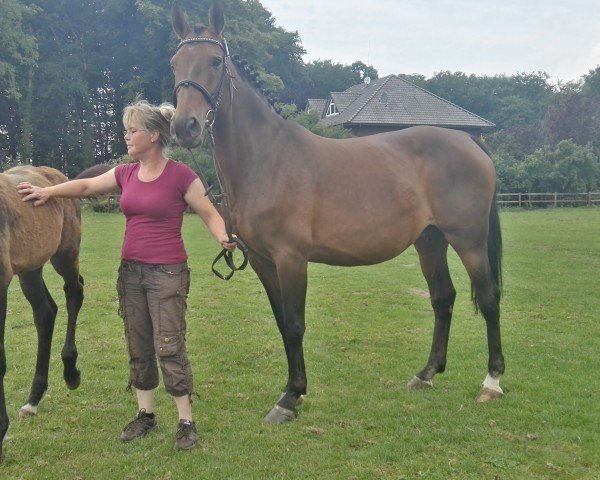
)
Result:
{"points": [[526, 200], [548, 199]]}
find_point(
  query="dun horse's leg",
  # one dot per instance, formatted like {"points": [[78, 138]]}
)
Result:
{"points": [[487, 296], [67, 268], [286, 287], [3, 414], [44, 315], [432, 248]]}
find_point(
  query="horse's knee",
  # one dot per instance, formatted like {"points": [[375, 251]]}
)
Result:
{"points": [[44, 322], [74, 290], [443, 301], [294, 333]]}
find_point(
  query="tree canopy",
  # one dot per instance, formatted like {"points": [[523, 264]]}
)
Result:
{"points": [[68, 67]]}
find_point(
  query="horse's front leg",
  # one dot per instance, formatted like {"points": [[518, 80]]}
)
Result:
{"points": [[44, 315], [285, 284], [3, 414]]}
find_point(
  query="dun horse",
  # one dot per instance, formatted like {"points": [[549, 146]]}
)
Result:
{"points": [[295, 198], [29, 237]]}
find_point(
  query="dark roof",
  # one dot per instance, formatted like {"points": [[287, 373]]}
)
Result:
{"points": [[316, 105], [394, 101]]}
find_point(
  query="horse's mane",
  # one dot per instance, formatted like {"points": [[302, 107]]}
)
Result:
{"points": [[252, 76]]}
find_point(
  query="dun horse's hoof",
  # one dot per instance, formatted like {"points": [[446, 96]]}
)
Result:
{"points": [[417, 384], [488, 395], [279, 415], [28, 411]]}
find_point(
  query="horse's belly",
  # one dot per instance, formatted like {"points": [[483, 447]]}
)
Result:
{"points": [[350, 252]]}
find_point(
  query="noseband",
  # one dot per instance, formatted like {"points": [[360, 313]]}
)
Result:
{"points": [[214, 98]]}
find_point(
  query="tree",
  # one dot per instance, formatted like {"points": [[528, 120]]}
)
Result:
{"points": [[568, 168], [326, 76], [517, 100], [18, 58]]}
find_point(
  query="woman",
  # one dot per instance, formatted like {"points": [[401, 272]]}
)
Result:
{"points": [[153, 276]]}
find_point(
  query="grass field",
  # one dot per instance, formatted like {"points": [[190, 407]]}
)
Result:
{"points": [[368, 332]]}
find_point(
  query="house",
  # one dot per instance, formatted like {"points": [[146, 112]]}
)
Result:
{"points": [[392, 103]]}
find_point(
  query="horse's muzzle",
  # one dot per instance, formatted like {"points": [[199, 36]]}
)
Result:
{"points": [[188, 131]]}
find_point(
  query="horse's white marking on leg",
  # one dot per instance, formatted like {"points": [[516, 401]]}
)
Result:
{"points": [[28, 410], [492, 383]]}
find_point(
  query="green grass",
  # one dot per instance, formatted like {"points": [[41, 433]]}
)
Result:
{"points": [[368, 332]]}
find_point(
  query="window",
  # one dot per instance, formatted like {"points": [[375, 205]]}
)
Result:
{"points": [[331, 109]]}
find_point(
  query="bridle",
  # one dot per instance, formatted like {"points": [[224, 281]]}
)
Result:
{"points": [[214, 99]]}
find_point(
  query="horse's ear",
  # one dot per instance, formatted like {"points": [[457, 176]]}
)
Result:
{"points": [[216, 18], [181, 26]]}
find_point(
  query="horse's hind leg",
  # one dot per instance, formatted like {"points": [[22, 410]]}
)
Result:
{"points": [[432, 248], [67, 266], [44, 315], [487, 297]]}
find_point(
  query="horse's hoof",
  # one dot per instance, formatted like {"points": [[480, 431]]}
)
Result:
{"points": [[279, 415], [28, 411], [73, 383], [488, 395], [417, 384]]}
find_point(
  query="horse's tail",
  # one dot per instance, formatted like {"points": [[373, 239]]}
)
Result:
{"points": [[494, 240], [494, 247]]}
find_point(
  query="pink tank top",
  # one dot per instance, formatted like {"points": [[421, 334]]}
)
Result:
{"points": [[154, 213]]}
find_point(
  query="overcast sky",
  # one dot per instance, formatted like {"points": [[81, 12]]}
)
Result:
{"points": [[483, 37]]}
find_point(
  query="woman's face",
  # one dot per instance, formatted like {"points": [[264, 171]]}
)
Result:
{"points": [[139, 141]]}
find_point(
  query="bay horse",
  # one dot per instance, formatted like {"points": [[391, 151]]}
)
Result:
{"points": [[295, 197], [29, 237]]}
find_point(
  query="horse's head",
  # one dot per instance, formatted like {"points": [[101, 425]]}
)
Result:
{"points": [[200, 69]]}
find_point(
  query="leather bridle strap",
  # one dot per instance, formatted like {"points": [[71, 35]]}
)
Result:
{"points": [[214, 99], [223, 210]]}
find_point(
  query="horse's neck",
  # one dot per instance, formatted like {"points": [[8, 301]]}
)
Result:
{"points": [[244, 130]]}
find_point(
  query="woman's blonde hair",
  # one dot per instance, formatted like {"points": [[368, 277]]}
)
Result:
{"points": [[150, 118]]}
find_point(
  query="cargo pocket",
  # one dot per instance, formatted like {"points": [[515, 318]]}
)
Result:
{"points": [[172, 304], [167, 345]]}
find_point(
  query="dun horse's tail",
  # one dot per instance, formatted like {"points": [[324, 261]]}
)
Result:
{"points": [[494, 241]]}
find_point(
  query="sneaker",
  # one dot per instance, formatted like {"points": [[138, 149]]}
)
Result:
{"points": [[141, 425], [186, 435]]}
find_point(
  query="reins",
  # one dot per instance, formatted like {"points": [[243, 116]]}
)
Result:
{"points": [[220, 203], [218, 200]]}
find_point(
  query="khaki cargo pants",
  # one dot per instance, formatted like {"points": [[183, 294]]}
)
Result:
{"points": [[152, 303]]}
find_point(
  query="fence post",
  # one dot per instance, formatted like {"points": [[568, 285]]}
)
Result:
{"points": [[589, 198], [519, 199], [555, 196]]}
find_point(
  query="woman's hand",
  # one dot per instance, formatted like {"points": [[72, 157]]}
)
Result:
{"points": [[30, 192], [223, 239]]}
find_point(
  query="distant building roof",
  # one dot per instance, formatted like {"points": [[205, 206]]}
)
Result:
{"points": [[316, 105], [393, 101]]}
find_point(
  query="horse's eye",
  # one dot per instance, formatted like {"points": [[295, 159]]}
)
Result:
{"points": [[216, 62]]}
